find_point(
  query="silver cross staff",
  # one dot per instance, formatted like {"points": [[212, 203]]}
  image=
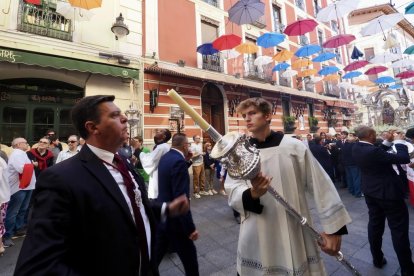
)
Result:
{"points": [[243, 162]]}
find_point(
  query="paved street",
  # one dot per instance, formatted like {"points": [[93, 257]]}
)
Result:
{"points": [[219, 233]]}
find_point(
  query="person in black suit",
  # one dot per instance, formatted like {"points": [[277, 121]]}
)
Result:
{"points": [[91, 216], [384, 192], [322, 154], [173, 181]]}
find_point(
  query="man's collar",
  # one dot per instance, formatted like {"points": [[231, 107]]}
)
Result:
{"points": [[102, 154]]}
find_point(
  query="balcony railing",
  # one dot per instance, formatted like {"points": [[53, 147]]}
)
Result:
{"points": [[279, 27], [212, 2], [285, 81], [300, 4], [44, 22], [317, 9], [260, 23], [213, 63]]}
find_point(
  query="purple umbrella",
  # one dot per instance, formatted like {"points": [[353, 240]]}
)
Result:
{"points": [[246, 11]]}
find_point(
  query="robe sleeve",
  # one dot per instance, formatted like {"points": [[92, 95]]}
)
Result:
{"points": [[235, 189], [150, 160], [332, 213]]}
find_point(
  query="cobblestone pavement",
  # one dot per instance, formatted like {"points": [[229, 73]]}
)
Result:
{"points": [[217, 244]]}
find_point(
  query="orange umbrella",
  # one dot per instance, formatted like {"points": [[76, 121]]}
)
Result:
{"points": [[247, 48], [365, 83], [283, 55], [86, 4], [297, 64], [374, 89], [307, 73], [331, 77]]}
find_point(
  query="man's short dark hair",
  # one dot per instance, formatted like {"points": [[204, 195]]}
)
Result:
{"points": [[410, 133], [167, 133], [317, 140], [87, 110], [260, 104], [178, 140], [363, 132]]}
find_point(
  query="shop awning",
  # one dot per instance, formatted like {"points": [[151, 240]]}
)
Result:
{"points": [[28, 58]]}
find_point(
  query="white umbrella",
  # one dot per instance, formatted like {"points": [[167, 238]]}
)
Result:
{"points": [[72, 13], [382, 24], [337, 10], [289, 73], [315, 79], [345, 85], [402, 63], [384, 58], [391, 42], [229, 54], [262, 60]]}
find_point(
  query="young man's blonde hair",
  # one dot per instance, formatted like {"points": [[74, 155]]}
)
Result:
{"points": [[260, 104]]}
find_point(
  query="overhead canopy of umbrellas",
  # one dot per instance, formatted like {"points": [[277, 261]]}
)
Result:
{"points": [[337, 10], [381, 24]]}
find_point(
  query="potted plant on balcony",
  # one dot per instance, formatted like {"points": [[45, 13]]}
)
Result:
{"points": [[289, 123], [313, 124]]}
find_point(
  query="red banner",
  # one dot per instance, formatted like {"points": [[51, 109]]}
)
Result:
{"points": [[34, 2]]}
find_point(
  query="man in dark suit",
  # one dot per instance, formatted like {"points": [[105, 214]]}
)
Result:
{"points": [[322, 154], [173, 181], [91, 216], [384, 192]]}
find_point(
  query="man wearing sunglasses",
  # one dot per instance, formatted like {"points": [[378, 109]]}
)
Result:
{"points": [[73, 149]]}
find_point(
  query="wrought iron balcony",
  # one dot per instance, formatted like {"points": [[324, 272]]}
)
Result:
{"points": [[213, 63], [300, 4], [285, 82], [44, 22], [260, 23], [279, 27], [317, 9], [212, 2]]}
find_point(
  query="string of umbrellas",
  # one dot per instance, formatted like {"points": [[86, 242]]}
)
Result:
{"points": [[248, 11]]}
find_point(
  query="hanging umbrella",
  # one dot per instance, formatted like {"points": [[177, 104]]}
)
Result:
{"points": [[391, 42], [385, 58], [409, 50], [382, 24], [307, 50], [356, 53], [300, 27], [206, 49], [331, 78], [72, 13], [327, 70], [402, 63], [356, 65], [315, 79], [364, 83], [405, 75], [409, 9], [374, 89], [376, 70], [226, 42], [410, 83], [262, 60], [386, 79], [247, 48], [86, 4], [338, 41], [229, 54], [297, 64], [289, 73], [395, 86], [352, 74], [281, 66], [246, 11], [307, 73], [345, 85], [337, 10], [283, 55], [268, 40], [324, 57]]}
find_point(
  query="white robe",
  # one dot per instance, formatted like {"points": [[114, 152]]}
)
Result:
{"points": [[273, 242]]}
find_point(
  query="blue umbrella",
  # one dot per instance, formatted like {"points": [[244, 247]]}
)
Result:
{"points": [[352, 74], [385, 79], [409, 9], [395, 86], [280, 66], [268, 40], [246, 11], [328, 70], [206, 49], [308, 50], [356, 53], [324, 57]]}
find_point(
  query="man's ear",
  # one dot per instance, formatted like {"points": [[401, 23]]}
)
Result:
{"points": [[90, 126], [268, 117]]}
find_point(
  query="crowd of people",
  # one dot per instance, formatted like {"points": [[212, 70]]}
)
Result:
{"points": [[112, 189]]}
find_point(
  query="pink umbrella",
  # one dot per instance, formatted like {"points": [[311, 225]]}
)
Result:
{"points": [[356, 65], [301, 27], [226, 42], [376, 70], [410, 83], [338, 41], [405, 74]]}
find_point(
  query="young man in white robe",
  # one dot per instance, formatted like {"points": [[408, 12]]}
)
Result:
{"points": [[271, 242]]}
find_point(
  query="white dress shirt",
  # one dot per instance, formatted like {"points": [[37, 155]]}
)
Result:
{"points": [[15, 167], [63, 155]]}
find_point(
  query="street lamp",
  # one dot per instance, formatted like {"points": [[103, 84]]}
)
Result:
{"points": [[119, 28], [133, 116]]}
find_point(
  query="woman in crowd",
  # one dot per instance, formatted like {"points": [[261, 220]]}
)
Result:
{"points": [[209, 169], [4, 198]]}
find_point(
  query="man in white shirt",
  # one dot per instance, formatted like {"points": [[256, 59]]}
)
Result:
{"points": [[198, 167], [20, 198], [73, 149]]}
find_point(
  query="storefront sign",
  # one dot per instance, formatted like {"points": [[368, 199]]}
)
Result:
{"points": [[8, 55], [44, 99]]}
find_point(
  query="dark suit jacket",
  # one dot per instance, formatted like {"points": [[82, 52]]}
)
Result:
{"points": [[324, 158], [81, 224], [378, 178], [173, 181], [346, 154]]}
